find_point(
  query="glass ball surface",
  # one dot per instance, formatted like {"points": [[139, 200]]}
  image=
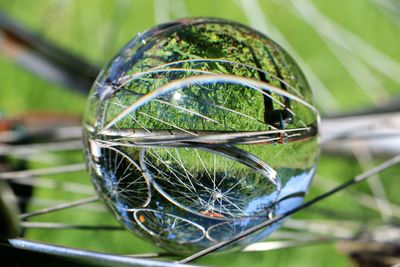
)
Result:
{"points": [[200, 129]]}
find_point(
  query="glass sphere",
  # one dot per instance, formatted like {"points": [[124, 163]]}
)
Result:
{"points": [[200, 129]]}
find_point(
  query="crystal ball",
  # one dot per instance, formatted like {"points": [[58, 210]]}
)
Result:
{"points": [[198, 130]]}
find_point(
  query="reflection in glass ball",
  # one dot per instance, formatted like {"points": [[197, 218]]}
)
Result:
{"points": [[200, 129]]}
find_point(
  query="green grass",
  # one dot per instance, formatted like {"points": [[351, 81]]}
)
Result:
{"points": [[96, 30]]}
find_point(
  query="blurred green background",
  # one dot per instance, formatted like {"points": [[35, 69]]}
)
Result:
{"points": [[349, 50]]}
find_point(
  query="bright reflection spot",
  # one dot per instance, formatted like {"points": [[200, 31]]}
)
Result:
{"points": [[177, 96]]}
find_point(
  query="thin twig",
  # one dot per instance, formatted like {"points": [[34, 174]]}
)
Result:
{"points": [[45, 171], [59, 207], [57, 226]]}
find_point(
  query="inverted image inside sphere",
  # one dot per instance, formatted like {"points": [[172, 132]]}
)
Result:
{"points": [[198, 130]]}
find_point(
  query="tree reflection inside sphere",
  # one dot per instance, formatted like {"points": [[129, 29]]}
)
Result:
{"points": [[200, 129]]}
